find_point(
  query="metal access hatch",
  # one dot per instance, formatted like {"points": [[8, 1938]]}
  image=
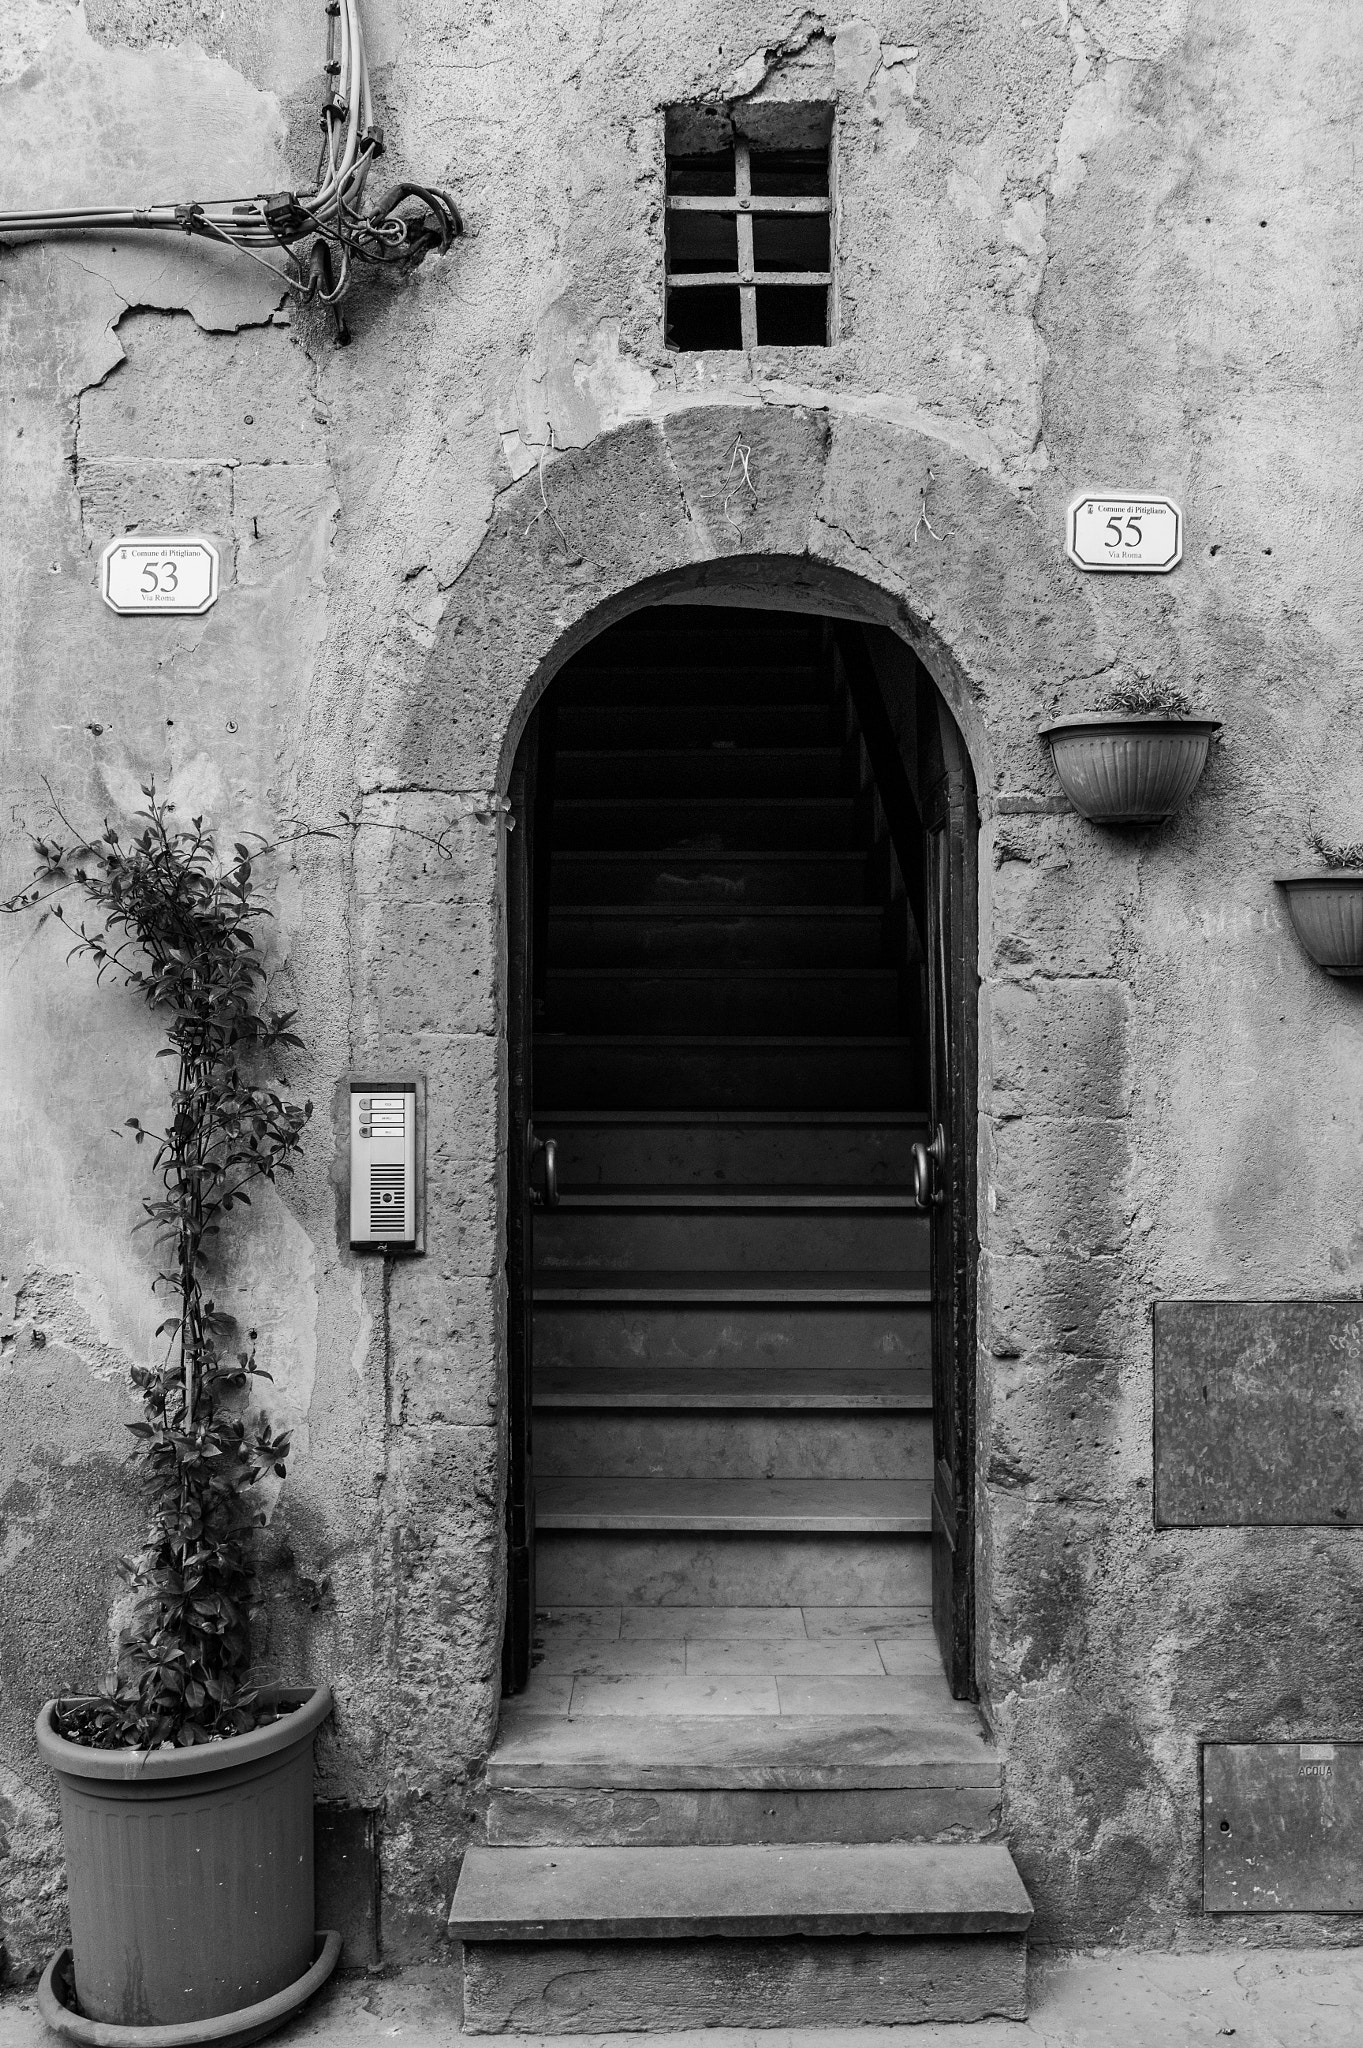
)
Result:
{"points": [[1282, 1827]]}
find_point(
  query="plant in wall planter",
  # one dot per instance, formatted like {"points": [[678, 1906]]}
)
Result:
{"points": [[1134, 763], [1326, 907], [186, 1791]]}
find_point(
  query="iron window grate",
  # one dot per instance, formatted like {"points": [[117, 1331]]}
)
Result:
{"points": [[749, 245]]}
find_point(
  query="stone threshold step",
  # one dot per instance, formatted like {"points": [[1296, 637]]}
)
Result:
{"points": [[756, 1388], [946, 1747], [897, 1889], [870, 1507]]}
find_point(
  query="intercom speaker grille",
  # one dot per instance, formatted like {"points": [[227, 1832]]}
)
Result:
{"points": [[386, 1206]]}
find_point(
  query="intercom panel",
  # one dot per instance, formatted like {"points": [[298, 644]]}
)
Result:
{"points": [[383, 1155]]}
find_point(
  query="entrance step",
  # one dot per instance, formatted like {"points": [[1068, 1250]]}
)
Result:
{"points": [[653, 1072], [797, 878], [894, 1388], [750, 1289], [713, 824], [811, 1241], [734, 1149], [716, 936], [647, 682], [730, 1567], [655, 1780], [692, 771], [731, 1337], [581, 1940], [691, 1443], [797, 1507], [627, 726], [832, 1000]]}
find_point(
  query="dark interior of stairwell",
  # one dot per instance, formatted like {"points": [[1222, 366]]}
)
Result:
{"points": [[731, 1434]]}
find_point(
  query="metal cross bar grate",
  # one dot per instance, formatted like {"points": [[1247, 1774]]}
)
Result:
{"points": [[766, 225]]}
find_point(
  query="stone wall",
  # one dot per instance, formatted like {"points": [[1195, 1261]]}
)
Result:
{"points": [[1110, 243]]}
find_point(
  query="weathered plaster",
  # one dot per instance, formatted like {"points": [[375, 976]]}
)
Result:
{"points": [[1098, 242]]}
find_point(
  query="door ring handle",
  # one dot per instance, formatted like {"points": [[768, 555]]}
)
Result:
{"points": [[928, 1162], [547, 1149]]}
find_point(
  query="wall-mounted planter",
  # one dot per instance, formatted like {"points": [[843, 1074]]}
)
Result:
{"points": [[1327, 912], [190, 1882], [1129, 768]]}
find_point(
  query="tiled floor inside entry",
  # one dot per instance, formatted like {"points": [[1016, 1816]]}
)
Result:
{"points": [[870, 1662]]}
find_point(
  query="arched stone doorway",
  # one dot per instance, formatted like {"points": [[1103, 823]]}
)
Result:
{"points": [[741, 1025], [831, 512]]}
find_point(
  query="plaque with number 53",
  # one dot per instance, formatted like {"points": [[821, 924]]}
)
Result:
{"points": [[147, 572]]}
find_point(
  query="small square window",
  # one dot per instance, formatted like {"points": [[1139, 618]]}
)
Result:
{"points": [[749, 227]]}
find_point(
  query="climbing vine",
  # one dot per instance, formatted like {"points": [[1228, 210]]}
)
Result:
{"points": [[171, 916]]}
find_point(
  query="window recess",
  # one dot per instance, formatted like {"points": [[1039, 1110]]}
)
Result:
{"points": [[749, 228]]}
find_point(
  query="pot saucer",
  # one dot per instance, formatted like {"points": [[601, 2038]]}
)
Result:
{"points": [[57, 2004]]}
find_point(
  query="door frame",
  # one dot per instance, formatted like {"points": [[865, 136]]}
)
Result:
{"points": [[933, 793]]}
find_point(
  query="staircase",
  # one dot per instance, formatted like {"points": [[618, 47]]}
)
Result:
{"points": [[737, 1789]]}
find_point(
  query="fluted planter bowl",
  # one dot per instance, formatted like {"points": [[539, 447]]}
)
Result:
{"points": [[190, 1882], [1129, 768], [1327, 912]]}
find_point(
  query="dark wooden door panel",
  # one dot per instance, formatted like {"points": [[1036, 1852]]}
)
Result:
{"points": [[953, 985], [520, 1487]]}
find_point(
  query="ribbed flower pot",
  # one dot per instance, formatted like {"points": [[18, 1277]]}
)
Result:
{"points": [[1327, 911], [1129, 768], [190, 1881]]}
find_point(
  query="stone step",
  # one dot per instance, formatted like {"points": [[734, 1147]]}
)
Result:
{"points": [[662, 725], [623, 1072], [608, 1816], [631, 679], [603, 1939], [730, 1568], [731, 1148], [692, 1444], [676, 1779], [700, 1002], [738, 773], [840, 1388], [619, 1287], [792, 1753], [640, 1198], [797, 1507], [707, 824], [816, 1345], [797, 878], [811, 1244], [718, 936]]}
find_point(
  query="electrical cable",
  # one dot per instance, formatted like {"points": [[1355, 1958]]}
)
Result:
{"points": [[343, 234]]}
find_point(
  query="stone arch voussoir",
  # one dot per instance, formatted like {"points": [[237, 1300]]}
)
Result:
{"points": [[782, 504]]}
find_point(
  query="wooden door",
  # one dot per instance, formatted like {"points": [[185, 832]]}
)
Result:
{"points": [[952, 833], [520, 1481]]}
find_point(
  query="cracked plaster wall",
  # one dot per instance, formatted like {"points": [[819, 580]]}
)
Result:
{"points": [[1075, 243]]}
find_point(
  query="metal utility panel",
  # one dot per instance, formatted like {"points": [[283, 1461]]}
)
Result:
{"points": [[1258, 1413], [1282, 1827], [383, 1163]]}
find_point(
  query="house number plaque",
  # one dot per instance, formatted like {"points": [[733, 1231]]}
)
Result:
{"points": [[147, 572], [1124, 530]]}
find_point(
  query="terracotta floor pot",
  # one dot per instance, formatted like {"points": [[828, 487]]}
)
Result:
{"points": [[189, 1871], [1327, 911], [1127, 768]]}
